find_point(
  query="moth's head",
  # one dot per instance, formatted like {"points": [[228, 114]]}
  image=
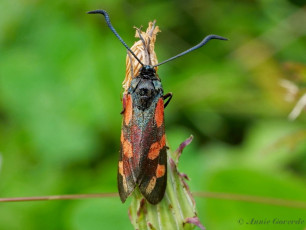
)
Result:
{"points": [[148, 69], [147, 72]]}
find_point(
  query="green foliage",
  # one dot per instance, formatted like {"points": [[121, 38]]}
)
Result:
{"points": [[60, 85]]}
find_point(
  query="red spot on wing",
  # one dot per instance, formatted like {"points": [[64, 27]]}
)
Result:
{"points": [[120, 167], [128, 109], [154, 151], [126, 146], [159, 113], [127, 149], [160, 170], [156, 148], [162, 141]]}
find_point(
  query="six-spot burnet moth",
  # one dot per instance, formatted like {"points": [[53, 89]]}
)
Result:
{"points": [[143, 153]]}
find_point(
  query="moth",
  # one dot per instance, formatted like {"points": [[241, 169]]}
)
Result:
{"points": [[143, 150]]}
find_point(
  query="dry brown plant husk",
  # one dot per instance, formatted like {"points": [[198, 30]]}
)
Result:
{"points": [[144, 50]]}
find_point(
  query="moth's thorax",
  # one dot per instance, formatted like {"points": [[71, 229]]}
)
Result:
{"points": [[145, 88]]}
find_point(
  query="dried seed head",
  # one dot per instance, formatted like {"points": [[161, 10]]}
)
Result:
{"points": [[144, 50]]}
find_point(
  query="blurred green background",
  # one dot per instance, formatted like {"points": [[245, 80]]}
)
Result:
{"points": [[60, 84]]}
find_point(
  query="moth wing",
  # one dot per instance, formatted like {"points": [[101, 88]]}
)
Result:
{"points": [[126, 176], [152, 178]]}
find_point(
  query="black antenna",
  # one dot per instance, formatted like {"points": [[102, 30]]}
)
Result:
{"points": [[202, 43], [105, 14]]}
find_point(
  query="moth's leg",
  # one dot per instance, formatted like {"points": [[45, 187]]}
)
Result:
{"points": [[167, 95]]}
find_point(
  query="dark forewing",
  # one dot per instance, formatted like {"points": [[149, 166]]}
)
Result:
{"points": [[152, 178], [126, 171]]}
